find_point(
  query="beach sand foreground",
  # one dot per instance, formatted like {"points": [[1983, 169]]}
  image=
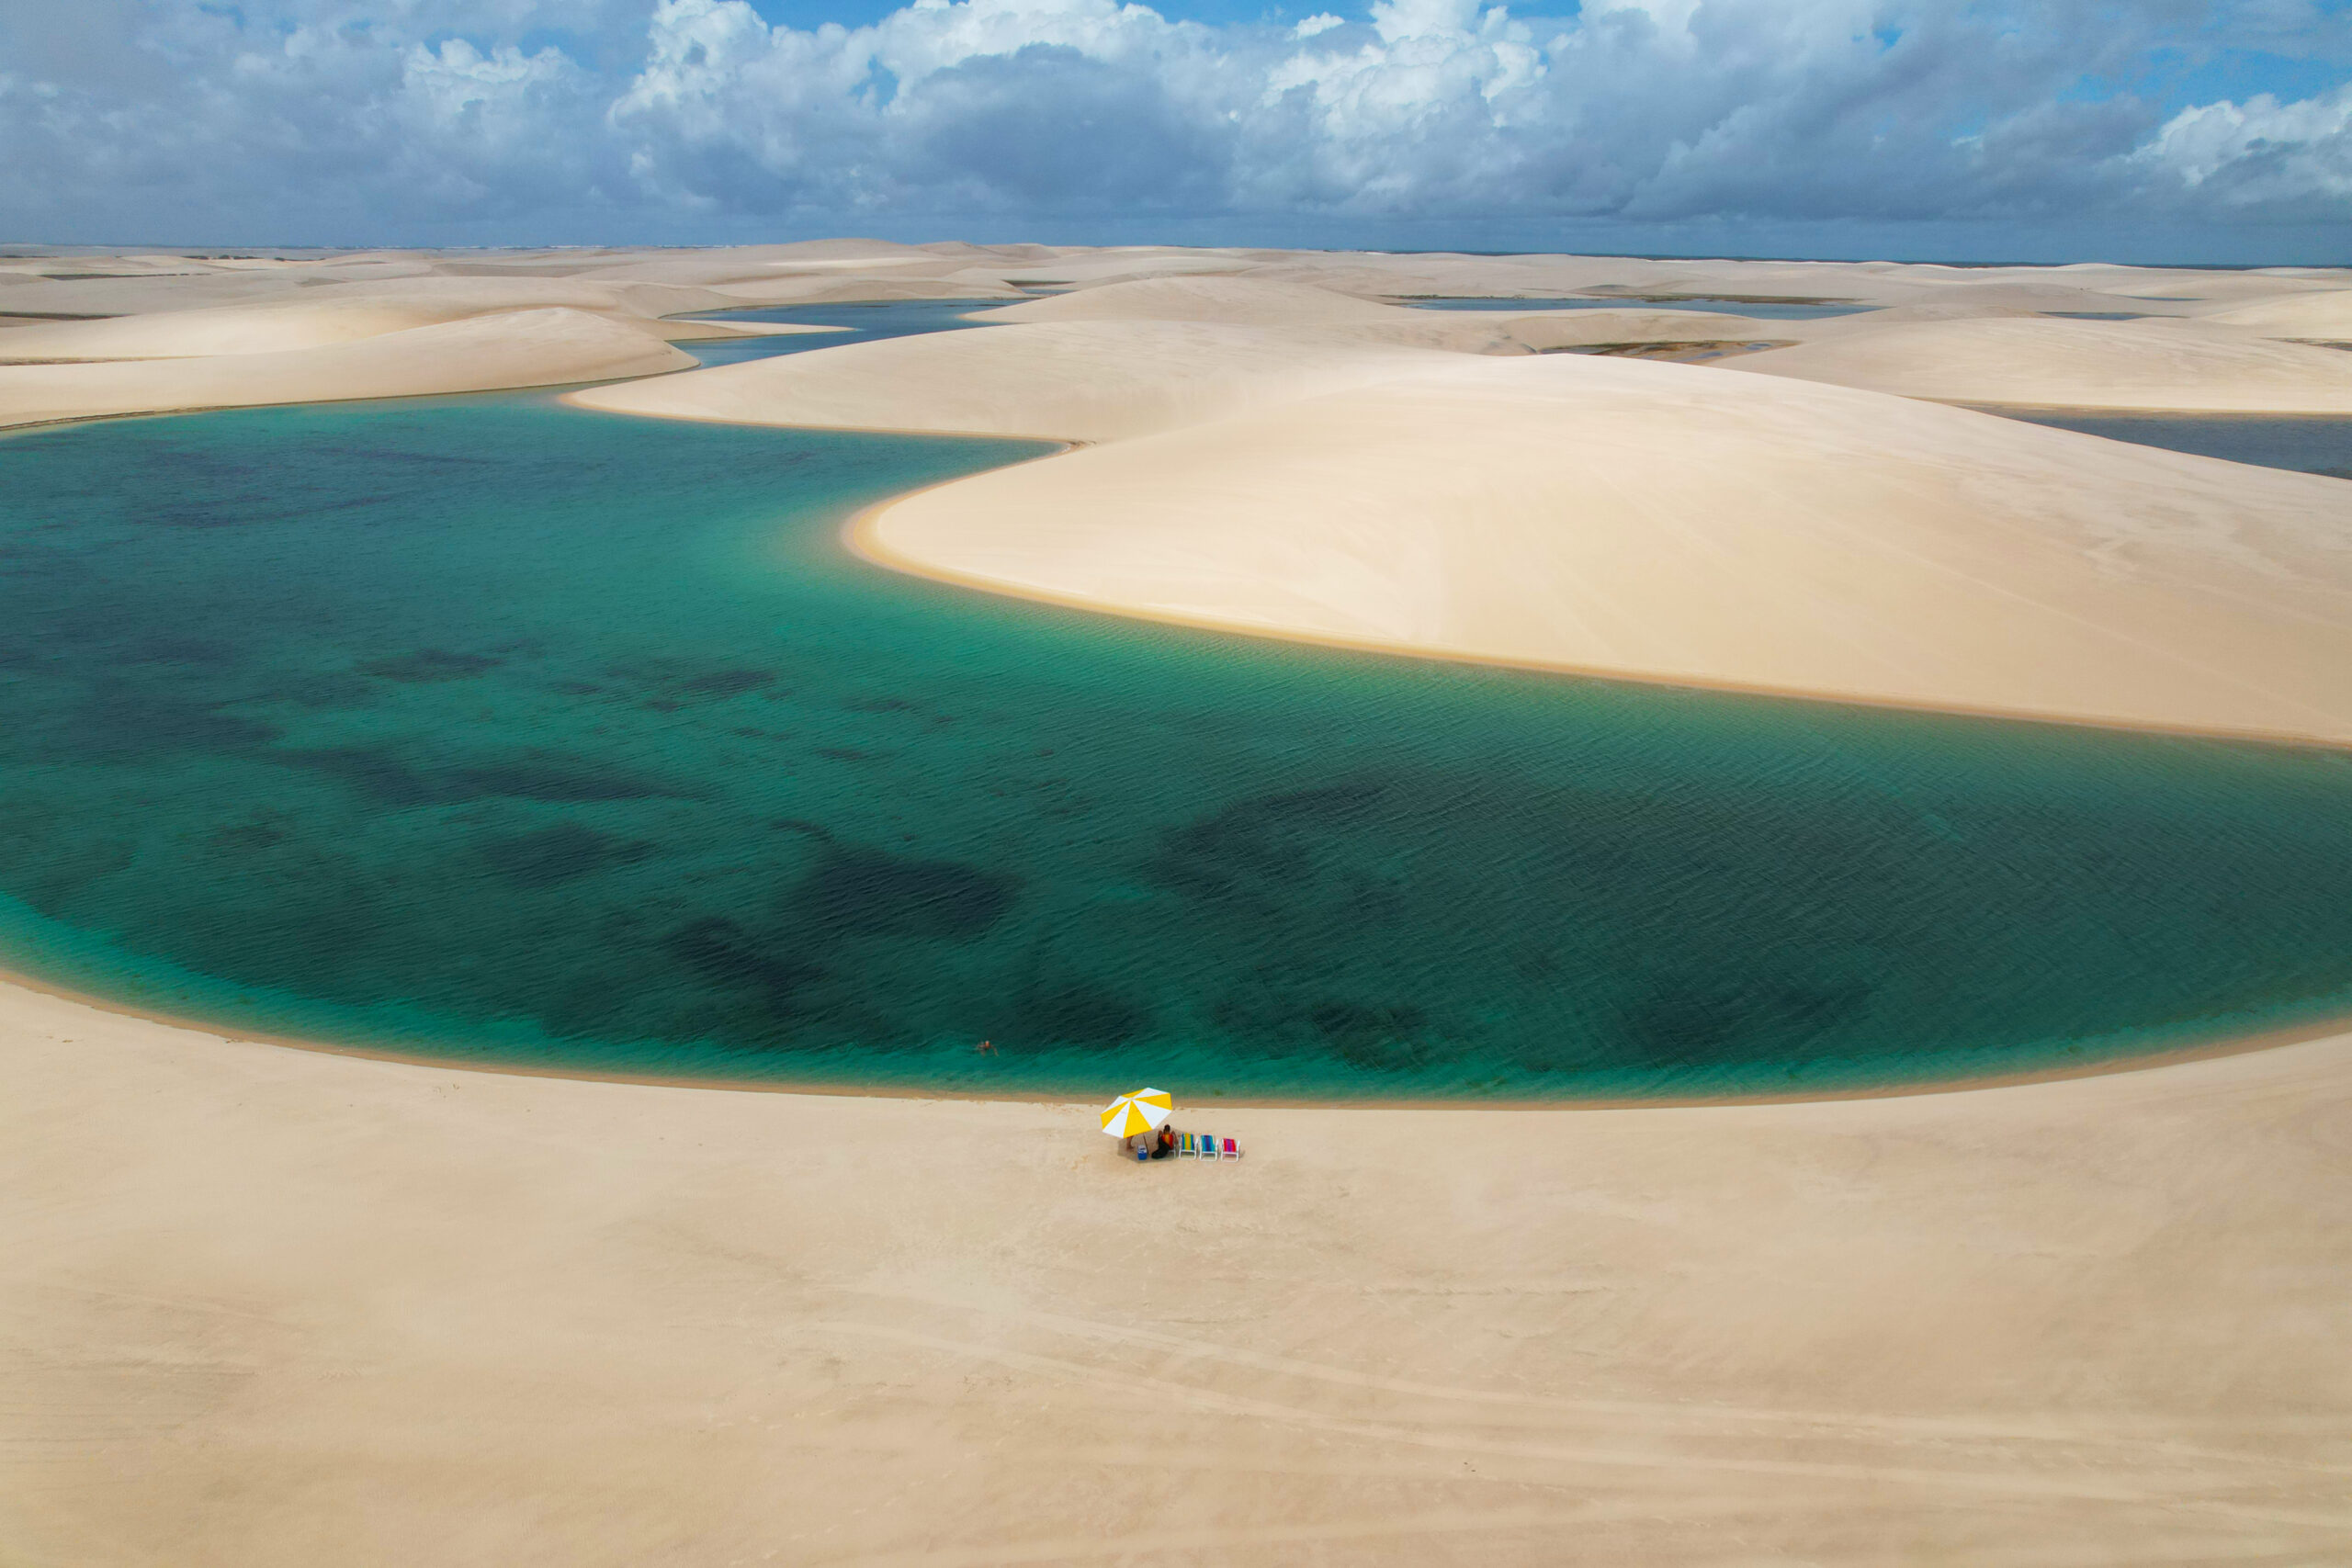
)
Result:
{"points": [[279, 1307]]}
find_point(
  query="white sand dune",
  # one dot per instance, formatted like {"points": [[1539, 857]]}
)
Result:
{"points": [[359, 311], [1230, 302], [1682, 523], [277, 1308], [274, 327], [1550, 331], [1056, 380], [2187, 366], [1127, 264], [2323, 316], [517, 348], [851, 288]]}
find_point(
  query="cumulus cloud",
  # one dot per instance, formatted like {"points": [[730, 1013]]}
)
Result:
{"points": [[2260, 153], [389, 115]]}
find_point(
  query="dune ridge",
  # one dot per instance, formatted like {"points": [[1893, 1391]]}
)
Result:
{"points": [[1675, 523], [2192, 366], [522, 348]]}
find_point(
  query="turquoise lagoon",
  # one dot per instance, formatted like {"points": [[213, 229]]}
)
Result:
{"points": [[492, 729]]}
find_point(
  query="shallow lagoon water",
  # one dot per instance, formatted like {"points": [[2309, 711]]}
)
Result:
{"points": [[1763, 310], [859, 322], [504, 731], [2311, 444]]}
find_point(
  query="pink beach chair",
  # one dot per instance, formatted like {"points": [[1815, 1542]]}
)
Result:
{"points": [[1230, 1151]]}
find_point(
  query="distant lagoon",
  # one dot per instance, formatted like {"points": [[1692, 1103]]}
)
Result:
{"points": [[492, 729]]}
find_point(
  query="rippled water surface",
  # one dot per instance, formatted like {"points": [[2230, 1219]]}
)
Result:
{"points": [[487, 727]]}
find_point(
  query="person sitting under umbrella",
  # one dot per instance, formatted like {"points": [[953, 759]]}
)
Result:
{"points": [[1134, 1119]]}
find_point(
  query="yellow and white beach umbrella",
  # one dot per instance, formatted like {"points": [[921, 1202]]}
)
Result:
{"points": [[1138, 1112]]}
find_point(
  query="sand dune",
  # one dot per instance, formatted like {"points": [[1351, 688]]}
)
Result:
{"points": [[1207, 298], [272, 328], [359, 311], [1588, 329], [280, 1308], [2321, 317], [1126, 264], [519, 348], [1059, 381], [1683, 523], [2105, 365]]}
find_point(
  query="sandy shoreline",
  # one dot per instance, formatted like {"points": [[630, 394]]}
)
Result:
{"points": [[282, 1298], [2200, 1046], [860, 537]]}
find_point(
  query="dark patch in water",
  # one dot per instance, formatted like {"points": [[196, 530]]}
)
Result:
{"points": [[260, 507], [846, 754], [1692, 1020], [247, 838], [118, 721], [726, 683], [373, 771], [719, 952], [208, 651], [1080, 1012], [560, 853], [870, 891], [545, 777], [1258, 844], [430, 665], [1379, 1037], [322, 689]]}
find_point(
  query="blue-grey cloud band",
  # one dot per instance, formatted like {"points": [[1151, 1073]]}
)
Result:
{"points": [[332, 118]]}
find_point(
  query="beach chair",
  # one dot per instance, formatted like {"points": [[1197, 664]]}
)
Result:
{"points": [[1193, 1144], [1230, 1151]]}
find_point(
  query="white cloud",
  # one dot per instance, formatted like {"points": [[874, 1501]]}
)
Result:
{"points": [[291, 114], [2261, 152]]}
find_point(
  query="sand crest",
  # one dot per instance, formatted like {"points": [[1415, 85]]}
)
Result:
{"points": [[2190, 366], [2317, 316], [1056, 380], [520, 348]]}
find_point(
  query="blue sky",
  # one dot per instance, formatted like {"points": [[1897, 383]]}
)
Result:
{"points": [[1964, 130]]}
